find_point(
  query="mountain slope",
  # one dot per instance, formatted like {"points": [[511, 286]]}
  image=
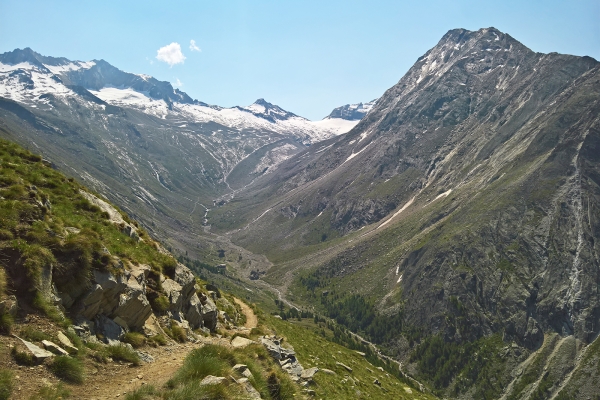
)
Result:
{"points": [[466, 201], [160, 155]]}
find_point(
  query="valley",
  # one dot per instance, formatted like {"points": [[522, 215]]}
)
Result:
{"points": [[448, 229]]}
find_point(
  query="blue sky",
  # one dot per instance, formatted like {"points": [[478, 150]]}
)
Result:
{"points": [[306, 56]]}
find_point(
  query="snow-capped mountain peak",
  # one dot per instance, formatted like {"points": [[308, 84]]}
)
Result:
{"points": [[263, 109]]}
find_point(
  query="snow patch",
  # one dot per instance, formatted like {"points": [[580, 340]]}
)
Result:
{"points": [[404, 207]]}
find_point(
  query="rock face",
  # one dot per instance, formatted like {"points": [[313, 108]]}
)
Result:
{"points": [[116, 304], [475, 179]]}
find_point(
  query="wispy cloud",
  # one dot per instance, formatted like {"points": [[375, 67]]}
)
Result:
{"points": [[193, 46], [171, 54], [177, 83]]}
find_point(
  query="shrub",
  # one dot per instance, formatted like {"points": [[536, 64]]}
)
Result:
{"points": [[135, 339], [160, 304], [158, 340], [67, 368], [208, 360], [178, 333], [143, 393], [2, 276], [30, 333], [122, 353], [6, 384], [6, 323], [21, 357]]}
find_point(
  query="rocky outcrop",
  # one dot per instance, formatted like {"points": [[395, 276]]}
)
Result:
{"points": [[117, 302]]}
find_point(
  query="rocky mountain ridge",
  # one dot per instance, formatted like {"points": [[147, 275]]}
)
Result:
{"points": [[462, 192], [161, 155]]}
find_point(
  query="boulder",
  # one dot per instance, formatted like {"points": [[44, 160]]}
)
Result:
{"points": [[172, 290], [212, 380], [54, 348], [152, 327], [36, 352], [309, 373], [239, 342], [275, 350], [210, 315], [242, 369], [9, 305], [111, 332], [186, 279], [66, 343], [123, 296], [252, 393], [347, 368], [193, 312]]}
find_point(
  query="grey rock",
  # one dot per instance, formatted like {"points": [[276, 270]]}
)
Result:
{"points": [[54, 348], [145, 357], [309, 373], [36, 352], [212, 380], [9, 305], [210, 315], [347, 368], [66, 343], [111, 332], [193, 312], [241, 342]]}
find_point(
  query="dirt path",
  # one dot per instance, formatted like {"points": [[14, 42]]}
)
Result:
{"points": [[114, 380], [251, 320]]}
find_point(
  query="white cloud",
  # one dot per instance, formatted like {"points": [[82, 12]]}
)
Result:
{"points": [[178, 83], [171, 54], [193, 46]]}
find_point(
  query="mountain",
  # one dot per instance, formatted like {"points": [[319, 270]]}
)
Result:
{"points": [[352, 112], [456, 225], [161, 155], [27, 75], [84, 292], [463, 207]]}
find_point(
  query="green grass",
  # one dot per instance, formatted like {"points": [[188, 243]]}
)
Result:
{"points": [[6, 384], [135, 339], [146, 392], [68, 369], [122, 353], [57, 392], [157, 340], [39, 204], [30, 333], [208, 360], [21, 357], [313, 349]]}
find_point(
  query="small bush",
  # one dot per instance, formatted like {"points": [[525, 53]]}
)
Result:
{"points": [[208, 360], [160, 304], [6, 323], [158, 340], [135, 339], [143, 393], [122, 353], [178, 333], [21, 357], [6, 384], [48, 309], [57, 392], [33, 335], [67, 368], [2, 276]]}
